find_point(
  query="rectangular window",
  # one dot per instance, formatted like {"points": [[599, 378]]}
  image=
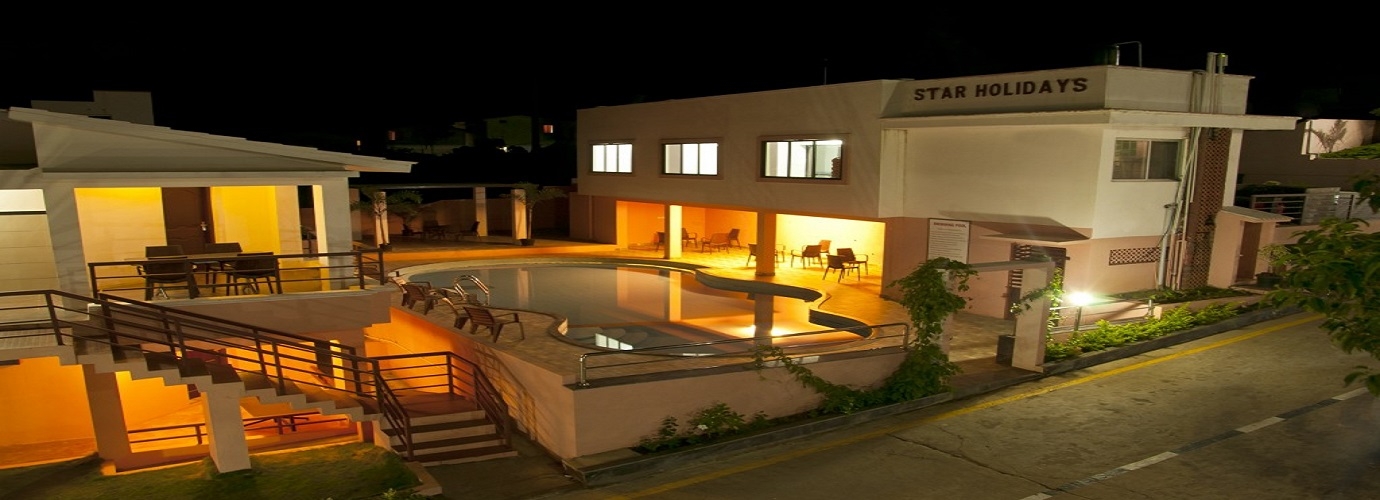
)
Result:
{"points": [[803, 159], [692, 158], [612, 158], [1146, 159]]}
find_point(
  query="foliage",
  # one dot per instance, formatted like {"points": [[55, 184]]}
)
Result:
{"points": [[1165, 295], [407, 204], [715, 421], [1364, 152], [1334, 271], [1106, 335], [1054, 292], [531, 195]]}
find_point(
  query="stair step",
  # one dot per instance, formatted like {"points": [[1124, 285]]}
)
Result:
{"points": [[459, 443], [438, 427], [464, 456]]}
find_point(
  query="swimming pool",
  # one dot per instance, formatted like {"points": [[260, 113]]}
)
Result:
{"points": [[625, 305]]}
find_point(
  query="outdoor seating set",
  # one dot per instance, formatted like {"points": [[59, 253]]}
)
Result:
{"points": [[844, 260], [172, 267], [466, 309]]}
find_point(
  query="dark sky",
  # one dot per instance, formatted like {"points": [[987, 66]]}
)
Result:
{"points": [[257, 78]]}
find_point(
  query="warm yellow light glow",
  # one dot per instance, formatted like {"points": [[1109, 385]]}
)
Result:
{"points": [[1079, 298]]}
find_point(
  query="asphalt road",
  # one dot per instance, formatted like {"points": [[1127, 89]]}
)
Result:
{"points": [[1258, 413]]}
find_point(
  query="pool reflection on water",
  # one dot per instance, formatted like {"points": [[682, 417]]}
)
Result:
{"points": [[628, 306]]}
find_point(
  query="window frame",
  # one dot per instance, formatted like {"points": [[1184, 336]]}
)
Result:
{"points": [[700, 149], [1147, 166], [811, 162], [617, 147]]}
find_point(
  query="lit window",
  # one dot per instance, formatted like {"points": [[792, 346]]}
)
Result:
{"points": [[612, 158], [692, 159], [548, 129], [1146, 160], [803, 159]]}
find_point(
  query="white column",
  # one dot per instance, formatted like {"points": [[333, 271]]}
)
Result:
{"points": [[224, 427], [673, 231], [766, 243], [481, 210], [333, 228], [64, 230]]}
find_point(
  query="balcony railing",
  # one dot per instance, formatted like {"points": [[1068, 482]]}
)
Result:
{"points": [[1307, 209], [203, 276]]}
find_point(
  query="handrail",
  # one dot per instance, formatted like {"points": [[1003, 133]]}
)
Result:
{"points": [[1312, 208], [582, 377], [460, 289], [133, 325], [360, 267], [249, 425], [461, 377]]}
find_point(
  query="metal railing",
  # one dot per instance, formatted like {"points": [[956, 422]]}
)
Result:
{"points": [[289, 362], [1307, 209], [727, 352], [293, 272], [282, 424], [452, 374]]}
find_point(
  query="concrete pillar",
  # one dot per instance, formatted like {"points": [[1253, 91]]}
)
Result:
{"points": [[520, 222], [481, 210], [1032, 325], [64, 230], [333, 230], [107, 413], [763, 315], [224, 427], [766, 244], [674, 224]]}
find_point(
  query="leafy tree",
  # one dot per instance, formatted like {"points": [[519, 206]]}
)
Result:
{"points": [[407, 205], [1334, 271], [531, 195]]}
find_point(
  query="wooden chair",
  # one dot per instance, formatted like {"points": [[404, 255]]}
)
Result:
{"points": [[660, 240], [460, 316], [265, 268], [472, 231], [824, 246], [733, 238], [420, 292], [688, 238], [214, 268], [480, 316], [807, 254], [843, 266], [175, 270], [715, 242], [847, 254]]}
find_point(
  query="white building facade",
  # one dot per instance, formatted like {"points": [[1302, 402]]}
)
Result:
{"points": [[1116, 173]]}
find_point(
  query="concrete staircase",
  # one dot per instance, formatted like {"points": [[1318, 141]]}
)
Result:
{"points": [[447, 430], [106, 358]]}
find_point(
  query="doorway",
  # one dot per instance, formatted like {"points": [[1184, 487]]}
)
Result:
{"points": [[1014, 277], [187, 218]]}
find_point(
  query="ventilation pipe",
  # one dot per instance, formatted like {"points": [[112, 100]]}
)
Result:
{"points": [[1204, 98]]}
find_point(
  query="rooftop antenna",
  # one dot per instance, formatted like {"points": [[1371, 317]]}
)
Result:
{"points": [[826, 71], [1116, 53]]}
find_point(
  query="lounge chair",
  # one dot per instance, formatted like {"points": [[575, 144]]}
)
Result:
{"points": [[807, 254], [482, 316]]}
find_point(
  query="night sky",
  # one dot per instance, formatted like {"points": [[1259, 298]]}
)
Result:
{"points": [[268, 80]]}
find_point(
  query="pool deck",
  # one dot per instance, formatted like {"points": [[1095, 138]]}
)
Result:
{"points": [[972, 343]]}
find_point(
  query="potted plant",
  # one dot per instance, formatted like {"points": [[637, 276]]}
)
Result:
{"points": [[531, 195], [404, 204]]}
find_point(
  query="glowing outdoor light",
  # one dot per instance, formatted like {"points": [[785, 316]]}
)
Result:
{"points": [[1079, 298]]}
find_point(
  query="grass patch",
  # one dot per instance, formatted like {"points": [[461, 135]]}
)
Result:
{"points": [[340, 472]]}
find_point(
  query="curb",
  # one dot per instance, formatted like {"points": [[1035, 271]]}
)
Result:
{"points": [[614, 471]]}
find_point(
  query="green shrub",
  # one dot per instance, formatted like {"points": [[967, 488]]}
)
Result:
{"points": [[1105, 335]]}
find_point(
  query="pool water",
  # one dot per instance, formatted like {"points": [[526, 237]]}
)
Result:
{"points": [[627, 306]]}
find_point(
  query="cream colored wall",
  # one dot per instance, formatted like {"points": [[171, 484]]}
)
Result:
{"points": [[241, 211], [117, 223], [145, 401], [739, 123], [1044, 175], [26, 253], [53, 410], [1130, 208]]}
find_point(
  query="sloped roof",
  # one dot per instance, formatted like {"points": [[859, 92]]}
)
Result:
{"points": [[344, 161]]}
